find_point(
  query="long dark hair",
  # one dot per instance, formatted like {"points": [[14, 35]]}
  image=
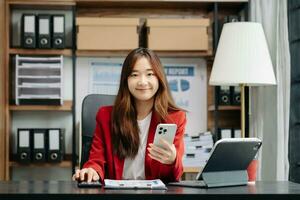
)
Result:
{"points": [[125, 130]]}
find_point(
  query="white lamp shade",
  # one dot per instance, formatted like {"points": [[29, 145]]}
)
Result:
{"points": [[242, 56]]}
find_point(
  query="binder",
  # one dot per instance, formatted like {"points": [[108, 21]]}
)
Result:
{"points": [[237, 133], [225, 133], [55, 145], [44, 33], [24, 146], [223, 93], [39, 145], [28, 32], [58, 34], [236, 95]]}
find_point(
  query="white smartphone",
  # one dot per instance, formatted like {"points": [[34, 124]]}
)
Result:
{"points": [[166, 132]]}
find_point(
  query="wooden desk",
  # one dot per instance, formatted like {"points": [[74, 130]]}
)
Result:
{"points": [[68, 190]]}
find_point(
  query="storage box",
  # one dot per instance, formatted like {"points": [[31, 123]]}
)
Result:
{"points": [[178, 34], [107, 33]]}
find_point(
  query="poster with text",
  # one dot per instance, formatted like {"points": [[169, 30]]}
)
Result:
{"points": [[188, 84]]}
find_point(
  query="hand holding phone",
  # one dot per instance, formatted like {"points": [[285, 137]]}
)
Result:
{"points": [[166, 132], [163, 149]]}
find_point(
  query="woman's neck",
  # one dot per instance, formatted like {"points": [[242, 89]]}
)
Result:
{"points": [[143, 108]]}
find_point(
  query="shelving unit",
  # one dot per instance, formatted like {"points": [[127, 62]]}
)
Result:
{"points": [[227, 116], [67, 106], [64, 52], [12, 50]]}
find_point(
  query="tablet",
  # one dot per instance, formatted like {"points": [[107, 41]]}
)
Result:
{"points": [[227, 164], [231, 154]]}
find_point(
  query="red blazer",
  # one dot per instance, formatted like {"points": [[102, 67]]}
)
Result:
{"points": [[109, 165]]}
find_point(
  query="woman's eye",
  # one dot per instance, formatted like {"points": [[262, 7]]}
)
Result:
{"points": [[150, 74], [133, 75]]}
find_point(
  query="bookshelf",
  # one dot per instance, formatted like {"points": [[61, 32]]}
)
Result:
{"points": [[13, 11]]}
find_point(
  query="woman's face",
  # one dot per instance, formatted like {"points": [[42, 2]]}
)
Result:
{"points": [[142, 82]]}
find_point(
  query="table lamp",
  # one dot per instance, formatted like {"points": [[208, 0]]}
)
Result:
{"points": [[242, 58]]}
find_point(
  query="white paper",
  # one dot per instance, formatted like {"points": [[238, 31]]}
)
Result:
{"points": [[44, 26], [39, 140], [58, 24], [53, 139], [29, 24], [134, 184], [24, 138]]}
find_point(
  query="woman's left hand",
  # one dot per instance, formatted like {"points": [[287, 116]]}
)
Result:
{"points": [[165, 155]]}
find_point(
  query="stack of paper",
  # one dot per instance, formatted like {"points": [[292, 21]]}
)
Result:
{"points": [[197, 149], [156, 184]]}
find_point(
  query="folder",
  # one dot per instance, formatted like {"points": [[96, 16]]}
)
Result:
{"points": [[28, 32], [55, 145], [225, 133], [24, 146], [236, 95], [39, 145], [223, 93], [44, 33], [237, 133], [58, 34]]}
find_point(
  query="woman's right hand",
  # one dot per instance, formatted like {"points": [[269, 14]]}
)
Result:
{"points": [[86, 174]]}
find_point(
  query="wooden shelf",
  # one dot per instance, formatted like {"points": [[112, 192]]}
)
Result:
{"points": [[102, 53], [65, 164], [191, 169], [36, 4], [119, 53], [67, 106], [65, 52], [184, 4], [184, 54], [229, 107]]}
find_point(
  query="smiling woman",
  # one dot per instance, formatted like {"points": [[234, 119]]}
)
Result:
{"points": [[143, 83], [122, 146]]}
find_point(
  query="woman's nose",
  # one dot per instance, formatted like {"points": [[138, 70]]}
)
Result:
{"points": [[142, 80]]}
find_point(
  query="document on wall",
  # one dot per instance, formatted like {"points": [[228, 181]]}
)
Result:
{"points": [[105, 77], [187, 80], [155, 184]]}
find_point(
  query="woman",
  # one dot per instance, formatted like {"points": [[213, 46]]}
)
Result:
{"points": [[122, 146]]}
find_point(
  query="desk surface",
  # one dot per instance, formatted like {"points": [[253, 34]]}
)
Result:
{"points": [[68, 190]]}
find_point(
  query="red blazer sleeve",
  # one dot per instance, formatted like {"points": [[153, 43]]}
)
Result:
{"points": [[167, 173], [176, 170], [97, 153]]}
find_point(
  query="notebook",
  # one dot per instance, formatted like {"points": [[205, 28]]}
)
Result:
{"points": [[227, 164], [156, 184]]}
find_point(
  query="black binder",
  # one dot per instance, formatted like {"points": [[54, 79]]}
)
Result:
{"points": [[28, 32], [44, 33], [223, 93], [39, 145], [55, 145], [24, 146], [58, 34], [236, 95]]}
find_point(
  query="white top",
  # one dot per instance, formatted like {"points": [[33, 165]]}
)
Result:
{"points": [[135, 168]]}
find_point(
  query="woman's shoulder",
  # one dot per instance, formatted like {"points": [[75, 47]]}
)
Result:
{"points": [[104, 111], [177, 115]]}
